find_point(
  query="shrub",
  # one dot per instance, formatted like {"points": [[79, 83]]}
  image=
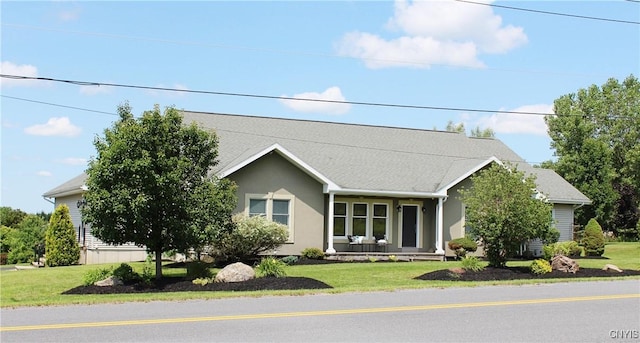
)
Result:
{"points": [[271, 267], [289, 260], [248, 237], [94, 275], [461, 246], [202, 281], [198, 270], [593, 239], [393, 258], [125, 273], [471, 263], [313, 254], [147, 270], [372, 259], [540, 266], [61, 248], [568, 248]]}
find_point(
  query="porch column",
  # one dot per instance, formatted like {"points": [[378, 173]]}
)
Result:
{"points": [[330, 249], [439, 227]]}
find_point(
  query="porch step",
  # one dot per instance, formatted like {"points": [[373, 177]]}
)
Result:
{"points": [[400, 256]]}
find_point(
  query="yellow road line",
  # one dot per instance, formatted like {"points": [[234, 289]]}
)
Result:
{"points": [[314, 313]]}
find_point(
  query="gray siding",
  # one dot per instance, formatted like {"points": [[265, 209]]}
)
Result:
{"points": [[97, 251], [274, 176], [563, 216]]}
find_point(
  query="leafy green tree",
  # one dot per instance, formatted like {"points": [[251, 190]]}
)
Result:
{"points": [[593, 239], [61, 247], [27, 241], [595, 134], [150, 184], [477, 132], [452, 127], [503, 210], [6, 238], [486, 133], [11, 217]]}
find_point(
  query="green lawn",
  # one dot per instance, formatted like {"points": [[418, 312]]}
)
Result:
{"points": [[43, 286]]}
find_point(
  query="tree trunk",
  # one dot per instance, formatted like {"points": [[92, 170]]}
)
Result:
{"points": [[158, 265]]}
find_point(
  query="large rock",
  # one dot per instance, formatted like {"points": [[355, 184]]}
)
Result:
{"points": [[612, 268], [110, 281], [235, 272], [564, 264]]}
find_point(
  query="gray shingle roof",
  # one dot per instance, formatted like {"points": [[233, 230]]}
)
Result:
{"points": [[362, 157], [372, 158], [73, 186]]}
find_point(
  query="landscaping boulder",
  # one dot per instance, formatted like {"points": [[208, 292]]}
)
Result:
{"points": [[110, 281], [235, 272], [611, 268], [564, 264]]}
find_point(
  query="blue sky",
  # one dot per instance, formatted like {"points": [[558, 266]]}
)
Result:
{"points": [[443, 54]]}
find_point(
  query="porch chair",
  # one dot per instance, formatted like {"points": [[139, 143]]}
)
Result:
{"points": [[382, 242]]}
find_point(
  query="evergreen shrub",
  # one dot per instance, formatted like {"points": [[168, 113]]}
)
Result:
{"points": [[593, 239], [61, 247]]}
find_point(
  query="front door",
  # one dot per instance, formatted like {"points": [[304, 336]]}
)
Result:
{"points": [[409, 226]]}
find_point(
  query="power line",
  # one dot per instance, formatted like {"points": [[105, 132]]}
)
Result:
{"points": [[58, 105], [253, 134], [246, 95], [554, 13], [259, 96]]}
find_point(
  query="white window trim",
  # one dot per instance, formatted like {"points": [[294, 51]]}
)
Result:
{"points": [[388, 217], [346, 219], [270, 197], [369, 218]]}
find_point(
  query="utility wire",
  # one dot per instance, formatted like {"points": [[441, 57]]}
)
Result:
{"points": [[554, 13], [58, 105], [246, 95], [253, 134], [458, 109]]}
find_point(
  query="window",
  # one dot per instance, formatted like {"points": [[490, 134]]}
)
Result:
{"points": [[275, 207], [281, 212], [340, 219], [380, 220], [257, 207], [369, 218], [359, 220]]}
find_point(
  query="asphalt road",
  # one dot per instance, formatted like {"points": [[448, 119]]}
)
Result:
{"points": [[605, 311]]}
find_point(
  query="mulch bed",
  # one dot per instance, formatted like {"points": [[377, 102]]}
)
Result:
{"points": [[179, 284], [176, 284], [517, 273]]}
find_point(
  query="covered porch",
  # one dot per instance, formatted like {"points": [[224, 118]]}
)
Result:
{"points": [[404, 226]]}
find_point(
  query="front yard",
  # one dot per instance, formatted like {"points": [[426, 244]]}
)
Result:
{"points": [[44, 286]]}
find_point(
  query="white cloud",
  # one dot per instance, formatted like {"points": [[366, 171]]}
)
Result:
{"points": [[54, 127], [511, 123], [93, 90], [434, 32], [331, 94], [44, 173], [10, 68], [74, 161]]}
